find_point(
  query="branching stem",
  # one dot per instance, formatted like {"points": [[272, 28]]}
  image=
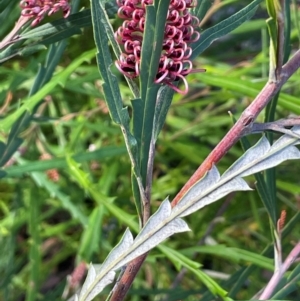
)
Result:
{"points": [[243, 124], [267, 293], [240, 128]]}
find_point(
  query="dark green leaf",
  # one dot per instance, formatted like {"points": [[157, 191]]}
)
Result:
{"points": [[92, 235], [164, 100], [290, 285], [212, 34], [118, 112], [144, 109], [201, 8], [11, 147], [100, 154], [62, 27]]}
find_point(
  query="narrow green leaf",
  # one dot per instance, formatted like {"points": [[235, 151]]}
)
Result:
{"points": [[289, 187], [92, 235], [164, 100], [271, 8], [82, 178], [144, 109], [33, 100], [46, 70], [272, 29], [113, 98], [53, 189], [210, 35], [111, 8], [116, 47], [9, 14], [60, 28], [30, 49], [92, 189], [34, 250], [152, 45], [290, 285], [43, 76], [8, 53], [11, 147], [234, 255], [176, 257], [201, 8], [287, 31], [122, 216], [100, 154], [248, 88], [110, 85]]}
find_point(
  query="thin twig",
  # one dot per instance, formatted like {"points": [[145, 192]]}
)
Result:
{"points": [[11, 37], [241, 126], [268, 291], [7, 101], [121, 288], [275, 126], [277, 250], [283, 123]]}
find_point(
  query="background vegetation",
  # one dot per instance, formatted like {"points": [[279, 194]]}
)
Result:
{"points": [[72, 159]]}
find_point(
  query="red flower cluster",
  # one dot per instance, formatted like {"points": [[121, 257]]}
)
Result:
{"points": [[179, 32], [39, 8]]}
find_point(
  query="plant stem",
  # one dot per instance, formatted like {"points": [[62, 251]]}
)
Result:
{"points": [[127, 278], [123, 285], [13, 34], [267, 293], [241, 126]]}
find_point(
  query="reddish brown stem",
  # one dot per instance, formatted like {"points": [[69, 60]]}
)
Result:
{"points": [[245, 121], [13, 34], [127, 278], [277, 276]]}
